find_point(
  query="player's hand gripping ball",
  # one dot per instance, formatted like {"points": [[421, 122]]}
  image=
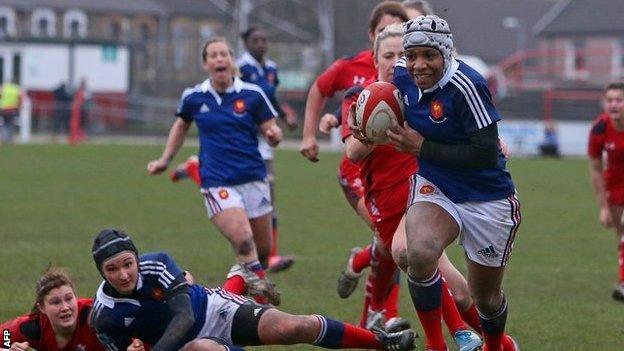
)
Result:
{"points": [[378, 108]]}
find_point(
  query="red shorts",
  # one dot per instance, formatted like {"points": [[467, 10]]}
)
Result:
{"points": [[349, 178], [386, 208], [615, 197]]}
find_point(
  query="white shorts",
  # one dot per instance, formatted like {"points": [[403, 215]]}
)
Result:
{"points": [[220, 311], [487, 229], [253, 197], [266, 151]]}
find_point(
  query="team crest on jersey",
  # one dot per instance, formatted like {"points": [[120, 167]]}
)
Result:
{"points": [[239, 107], [223, 194], [158, 294], [436, 112], [426, 189]]}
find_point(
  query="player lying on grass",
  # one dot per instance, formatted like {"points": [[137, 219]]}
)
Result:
{"points": [[147, 298], [58, 320]]}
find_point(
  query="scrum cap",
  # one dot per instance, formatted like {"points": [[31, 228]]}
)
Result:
{"points": [[430, 31], [108, 243]]}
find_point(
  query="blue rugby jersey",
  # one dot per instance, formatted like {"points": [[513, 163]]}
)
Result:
{"points": [[144, 314], [263, 76], [228, 127], [449, 113]]}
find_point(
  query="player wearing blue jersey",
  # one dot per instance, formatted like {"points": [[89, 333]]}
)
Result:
{"points": [[229, 114], [257, 69], [462, 188], [148, 299]]}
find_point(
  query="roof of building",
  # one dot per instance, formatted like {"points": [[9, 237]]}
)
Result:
{"points": [[122, 6], [582, 17], [196, 8]]}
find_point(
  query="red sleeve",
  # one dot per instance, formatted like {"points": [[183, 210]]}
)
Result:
{"points": [[13, 326], [597, 138], [329, 81], [85, 335], [351, 96]]}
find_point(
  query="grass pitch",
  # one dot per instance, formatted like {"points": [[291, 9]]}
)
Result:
{"points": [[54, 198]]}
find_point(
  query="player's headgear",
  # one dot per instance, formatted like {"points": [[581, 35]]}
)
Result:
{"points": [[430, 31], [110, 242]]}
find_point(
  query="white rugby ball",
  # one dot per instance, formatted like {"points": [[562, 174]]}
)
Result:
{"points": [[378, 108]]}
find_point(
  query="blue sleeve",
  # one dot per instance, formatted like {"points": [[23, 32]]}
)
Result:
{"points": [[246, 71], [404, 82], [184, 110], [162, 269], [112, 335], [263, 108], [475, 104]]}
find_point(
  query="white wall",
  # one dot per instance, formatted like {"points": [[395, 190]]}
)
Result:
{"points": [[524, 137], [106, 68], [44, 66]]}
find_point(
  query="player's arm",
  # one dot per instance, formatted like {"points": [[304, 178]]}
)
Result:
{"points": [[112, 336], [597, 179], [315, 102], [271, 132], [480, 152], [182, 320], [177, 134]]}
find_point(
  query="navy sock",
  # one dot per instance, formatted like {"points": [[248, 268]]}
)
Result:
{"points": [[494, 324], [331, 333], [427, 294]]}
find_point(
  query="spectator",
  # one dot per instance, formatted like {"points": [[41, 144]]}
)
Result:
{"points": [[10, 103]]}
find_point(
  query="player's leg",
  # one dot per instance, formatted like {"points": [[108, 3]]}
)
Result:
{"points": [[488, 244], [206, 344], [458, 286], [277, 262], [617, 212], [279, 328]]}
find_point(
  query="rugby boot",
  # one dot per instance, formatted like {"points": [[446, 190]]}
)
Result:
{"points": [[467, 340], [396, 324], [618, 293], [375, 320], [399, 341], [348, 280], [280, 263]]}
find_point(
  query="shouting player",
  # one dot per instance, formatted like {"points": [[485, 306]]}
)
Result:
{"points": [[229, 114]]}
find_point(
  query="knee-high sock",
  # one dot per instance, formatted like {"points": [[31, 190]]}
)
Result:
{"points": [[363, 259], [384, 273], [334, 334], [392, 302], [274, 235], [621, 260], [471, 316], [450, 313], [494, 328], [427, 298], [368, 294]]}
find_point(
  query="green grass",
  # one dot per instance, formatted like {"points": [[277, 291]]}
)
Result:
{"points": [[53, 199]]}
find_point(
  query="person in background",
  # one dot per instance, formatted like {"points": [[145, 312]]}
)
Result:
{"points": [[606, 160], [10, 103], [58, 320], [256, 68], [229, 114]]}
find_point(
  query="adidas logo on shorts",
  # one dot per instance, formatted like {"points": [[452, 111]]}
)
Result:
{"points": [[488, 252]]}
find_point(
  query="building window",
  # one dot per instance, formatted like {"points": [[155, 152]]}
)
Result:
{"points": [[179, 48], [75, 24], [7, 22], [115, 30], [146, 33], [43, 23]]}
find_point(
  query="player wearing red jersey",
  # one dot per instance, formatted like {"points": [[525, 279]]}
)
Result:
{"points": [[607, 137], [341, 75], [58, 321]]}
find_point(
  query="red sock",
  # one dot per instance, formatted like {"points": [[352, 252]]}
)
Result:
{"points": [[508, 345], [235, 284], [471, 316], [359, 338], [493, 342], [621, 261], [192, 169], [427, 297], [362, 260], [273, 251], [384, 270], [256, 267], [368, 293], [452, 318], [392, 302]]}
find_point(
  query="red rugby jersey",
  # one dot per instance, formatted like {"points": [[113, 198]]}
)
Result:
{"points": [[37, 330], [347, 72], [384, 167], [605, 137]]}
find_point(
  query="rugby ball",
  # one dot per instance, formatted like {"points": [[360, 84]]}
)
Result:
{"points": [[378, 108]]}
